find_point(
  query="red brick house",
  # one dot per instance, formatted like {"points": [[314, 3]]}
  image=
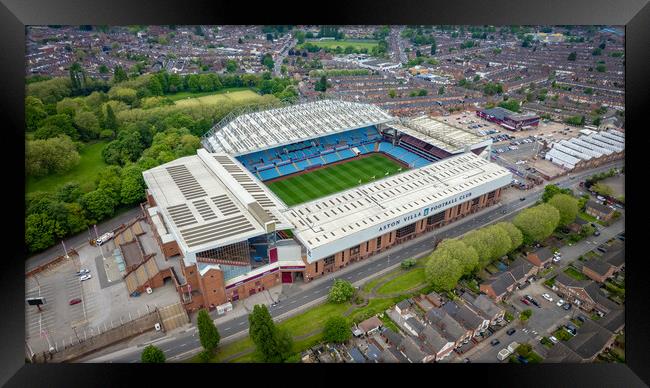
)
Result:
{"points": [[501, 285], [584, 293], [541, 257], [598, 271]]}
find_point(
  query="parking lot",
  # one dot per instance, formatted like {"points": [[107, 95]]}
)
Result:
{"points": [[546, 317], [105, 302]]}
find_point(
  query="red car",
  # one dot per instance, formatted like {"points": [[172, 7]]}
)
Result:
{"points": [[525, 301], [75, 301]]}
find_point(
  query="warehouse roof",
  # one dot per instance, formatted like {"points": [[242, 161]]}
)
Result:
{"points": [[373, 209], [275, 127]]}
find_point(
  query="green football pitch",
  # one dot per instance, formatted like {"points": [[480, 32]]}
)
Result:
{"points": [[329, 180]]}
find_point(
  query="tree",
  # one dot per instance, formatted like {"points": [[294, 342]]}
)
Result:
{"points": [[340, 292], [434, 46], [465, 255], [55, 155], [515, 235], [551, 190], [336, 330], [133, 188], [110, 121], [56, 125], [152, 354], [479, 239], [40, 231], [272, 344], [98, 205], [537, 223], [69, 192], [567, 206], [586, 230], [441, 90], [443, 271], [392, 93], [34, 112], [500, 241], [77, 77], [88, 125], [525, 315], [511, 104], [321, 85], [572, 56], [267, 60], [602, 189], [208, 333]]}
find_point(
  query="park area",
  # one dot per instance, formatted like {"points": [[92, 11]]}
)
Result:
{"points": [[332, 179], [236, 95], [84, 173], [333, 44]]}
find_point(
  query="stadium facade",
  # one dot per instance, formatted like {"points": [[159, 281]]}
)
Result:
{"points": [[235, 237], [508, 119]]}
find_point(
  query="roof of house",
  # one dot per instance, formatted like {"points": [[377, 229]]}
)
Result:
{"points": [[561, 353], [501, 282], [615, 257], [445, 324], [403, 305], [593, 289], [370, 324], [411, 349], [389, 355], [415, 325], [568, 281], [483, 304], [589, 340], [463, 315], [392, 337], [519, 268], [613, 321], [356, 355], [599, 267], [433, 338], [599, 207], [373, 352], [544, 253], [434, 295], [397, 355]]}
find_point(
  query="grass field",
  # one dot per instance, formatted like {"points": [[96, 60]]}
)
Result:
{"points": [[217, 97], [332, 44], [84, 173], [185, 95], [332, 179], [403, 282]]}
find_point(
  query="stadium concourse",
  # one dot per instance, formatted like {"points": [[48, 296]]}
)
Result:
{"points": [[293, 193]]}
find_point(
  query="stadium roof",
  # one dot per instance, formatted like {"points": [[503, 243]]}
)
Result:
{"points": [[336, 222], [275, 127], [442, 135], [210, 200]]}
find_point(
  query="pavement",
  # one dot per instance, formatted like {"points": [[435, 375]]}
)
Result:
{"points": [[234, 324], [80, 239]]}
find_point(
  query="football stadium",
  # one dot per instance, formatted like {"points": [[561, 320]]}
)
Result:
{"points": [[293, 193]]}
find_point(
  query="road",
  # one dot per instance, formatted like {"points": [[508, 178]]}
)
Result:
{"points": [[188, 341], [80, 239], [278, 61]]}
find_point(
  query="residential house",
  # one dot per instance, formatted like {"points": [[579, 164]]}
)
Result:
{"points": [[435, 299], [467, 317], [390, 336], [373, 352], [412, 349], [392, 355], [584, 293], [485, 307], [413, 326], [540, 258], [504, 283], [423, 303], [590, 340], [597, 270], [370, 325], [615, 258], [448, 327], [403, 307], [436, 343], [356, 355], [598, 210]]}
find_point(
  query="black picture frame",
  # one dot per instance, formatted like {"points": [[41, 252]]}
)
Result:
{"points": [[16, 14]]}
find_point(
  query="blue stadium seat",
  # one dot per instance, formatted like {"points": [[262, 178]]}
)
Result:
{"points": [[345, 154], [269, 174], [287, 169], [331, 158], [303, 164]]}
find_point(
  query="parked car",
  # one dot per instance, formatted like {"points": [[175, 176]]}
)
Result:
{"points": [[522, 198], [525, 301], [581, 318], [566, 306], [511, 331], [522, 359], [547, 297], [553, 339], [495, 342], [596, 232], [75, 301], [601, 249], [83, 271], [85, 277], [503, 354], [560, 303]]}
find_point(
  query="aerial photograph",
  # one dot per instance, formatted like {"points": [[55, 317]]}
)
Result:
{"points": [[325, 194]]}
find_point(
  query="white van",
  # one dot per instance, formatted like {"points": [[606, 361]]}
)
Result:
{"points": [[503, 354]]}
